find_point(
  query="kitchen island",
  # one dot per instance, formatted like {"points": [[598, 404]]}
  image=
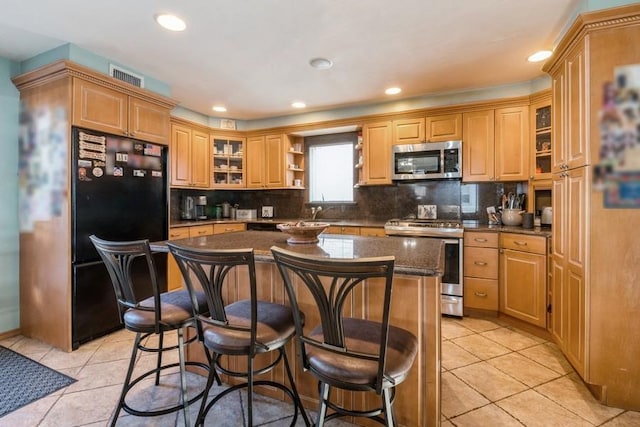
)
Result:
{"points": [[415, 306]]}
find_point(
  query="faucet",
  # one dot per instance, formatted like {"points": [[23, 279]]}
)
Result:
{"points": [[315, 211]]}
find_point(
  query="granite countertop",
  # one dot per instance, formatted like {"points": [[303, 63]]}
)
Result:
{"points": [[414, 256], [343, 222], [535, 231]]}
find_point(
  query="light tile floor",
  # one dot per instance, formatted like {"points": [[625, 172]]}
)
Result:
{"points": [[492, 375], [496, 375]]}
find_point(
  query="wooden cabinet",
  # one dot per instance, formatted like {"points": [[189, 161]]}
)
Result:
{"points": [[228, 161], [222, 228], [101, 108], [478, 163], [496, 145], [541, 142], [523, 277], [294, 176], [512, 144], [266, 161], [341, 229], [481, 270], [408, 131], [372, 231], [174, 275], [568, 291], [446, 127], [376, 154], [189, 157], [570, 100]]}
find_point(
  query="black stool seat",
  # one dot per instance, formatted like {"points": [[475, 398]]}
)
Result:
{"points": [[347, 371], [274, 328], [175, 307]]}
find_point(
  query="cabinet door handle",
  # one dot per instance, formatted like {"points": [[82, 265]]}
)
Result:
{"points": [[480, 294], [201, 232], [227, 230], [480, 239], [520, 243], [480, 263]]}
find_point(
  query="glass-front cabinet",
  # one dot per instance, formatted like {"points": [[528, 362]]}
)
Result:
{"points": [[541, 167], [228, 162]]}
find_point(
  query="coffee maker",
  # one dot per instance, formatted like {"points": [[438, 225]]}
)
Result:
{"points": [[201, 207]]}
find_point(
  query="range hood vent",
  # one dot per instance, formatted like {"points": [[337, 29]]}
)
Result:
{"points": [[126, 76]]}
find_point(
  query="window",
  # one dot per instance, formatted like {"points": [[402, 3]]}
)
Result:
{"points": [[331, 172]]}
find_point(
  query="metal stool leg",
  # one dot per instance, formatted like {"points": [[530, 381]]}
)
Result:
{"points": [[389, 415], [125, 386], [160, 348], [322, 412], [183, 377], [297, 400]]}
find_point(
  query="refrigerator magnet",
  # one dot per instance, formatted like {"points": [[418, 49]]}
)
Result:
{"points": [[156, 174], [138, 173], [118, 171], [97, 172]]}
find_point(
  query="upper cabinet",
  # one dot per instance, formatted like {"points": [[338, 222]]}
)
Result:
{"points": [[105, 109], [189, 157], [408, 131], [375, 167], [267, 161], [496, 145], [478, 140], [541, 143], [228, 161], [569, 120], [446, 127], [512, 144]]}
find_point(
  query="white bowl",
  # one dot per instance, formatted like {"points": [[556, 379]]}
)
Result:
{"points": [[512, 216]]}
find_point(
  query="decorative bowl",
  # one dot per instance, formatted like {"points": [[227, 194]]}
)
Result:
{"points": [[512, 216], [302, 232]]}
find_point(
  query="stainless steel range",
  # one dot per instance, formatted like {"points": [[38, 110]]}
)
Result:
{"points": [[451, 232]]}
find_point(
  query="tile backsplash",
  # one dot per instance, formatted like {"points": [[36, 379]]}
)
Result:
{"points": [[454, 200]]}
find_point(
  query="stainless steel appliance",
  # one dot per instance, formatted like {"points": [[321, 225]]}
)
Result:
{"points": [[451, 231], [188, 207], [429, 160], [201, 207]]}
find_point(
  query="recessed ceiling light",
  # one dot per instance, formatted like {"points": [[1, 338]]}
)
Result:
{"points": [[540, 55], [170, 22], [219, 108], [298, 104], [321, 63], [393, 91]]}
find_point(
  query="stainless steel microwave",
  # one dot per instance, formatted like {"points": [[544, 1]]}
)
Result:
{"points": [[429, 160]]}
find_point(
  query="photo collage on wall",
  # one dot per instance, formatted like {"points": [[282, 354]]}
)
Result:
{"points": [[617, 172]]}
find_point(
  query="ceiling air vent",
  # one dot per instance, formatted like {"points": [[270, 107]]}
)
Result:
{"points": [[126, 76]]}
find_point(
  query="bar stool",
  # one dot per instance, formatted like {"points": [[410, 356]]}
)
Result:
{"points": [[155, 315], [346, 352], [247, 327]]}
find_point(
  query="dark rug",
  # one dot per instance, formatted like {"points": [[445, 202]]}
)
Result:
{"points": [[23, 380]]}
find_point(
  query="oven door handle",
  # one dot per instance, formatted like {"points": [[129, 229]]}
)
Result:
{"points": [[450, 300]]}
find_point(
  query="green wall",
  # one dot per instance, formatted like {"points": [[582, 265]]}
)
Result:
{"points": [[9, 109]]}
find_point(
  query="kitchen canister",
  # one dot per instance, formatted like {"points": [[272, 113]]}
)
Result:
{"points": [[527, 220]]}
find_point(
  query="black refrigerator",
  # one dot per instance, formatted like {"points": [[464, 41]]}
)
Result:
{"points": [[119, 192]]}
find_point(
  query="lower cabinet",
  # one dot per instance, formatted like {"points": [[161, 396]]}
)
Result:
{"points": [[523, 277], [174, 276], [356, 231], [481, 270]]}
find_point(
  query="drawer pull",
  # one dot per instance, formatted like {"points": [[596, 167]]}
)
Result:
{"points": [[480, 294], [520, 243], [228, 229], [480, 263], [452, 301], [201, 232], [480, 239]]}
